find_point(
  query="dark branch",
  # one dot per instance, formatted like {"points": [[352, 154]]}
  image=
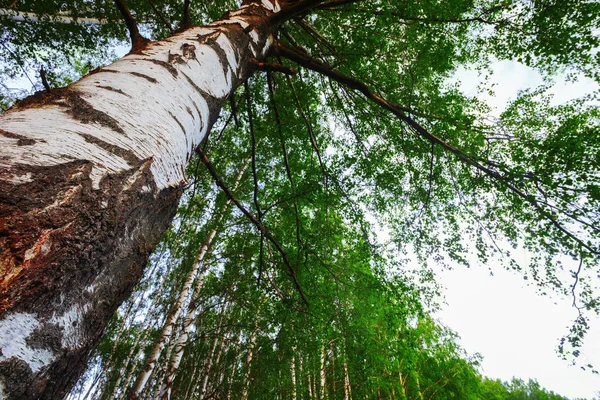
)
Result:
{"points": [[234, 111], [44, 79], [401, 113], [259, 213], [294, 9], [269, 67], [186, 22], [309, 128], [138, 42], [254, 220], [576, 275], [286, 159]]}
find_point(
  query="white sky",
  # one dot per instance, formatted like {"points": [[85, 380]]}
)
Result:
{"points": [[513, 328]]}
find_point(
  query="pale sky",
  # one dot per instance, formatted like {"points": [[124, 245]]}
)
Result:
{"points": [[513, 328]]}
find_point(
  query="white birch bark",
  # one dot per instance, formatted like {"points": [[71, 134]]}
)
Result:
{"points": [[347, 388], [293, 373], [250, 356]]}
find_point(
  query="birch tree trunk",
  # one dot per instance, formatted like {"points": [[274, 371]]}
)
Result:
{"points": [[196, 275], [90, 177]]}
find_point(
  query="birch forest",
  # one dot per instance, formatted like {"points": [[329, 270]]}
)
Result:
{"points": [[255, 200]]}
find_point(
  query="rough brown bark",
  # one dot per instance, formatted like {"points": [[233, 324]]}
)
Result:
{"points": [[76, 234]]}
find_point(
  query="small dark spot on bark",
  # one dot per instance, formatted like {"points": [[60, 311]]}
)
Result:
{"points": [[25, 142], [101, 69], [189, 51], [207, 39], [124, 154], [112, 89], [189, 110], [146, 77], [47, 336], [166, 65]]}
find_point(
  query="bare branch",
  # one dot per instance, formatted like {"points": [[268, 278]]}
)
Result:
{"points": [[254, 177], [161, 16], [286, 160], [186, 22], [294, 9], [401, 113], [254, 220], [269, 67], [44, 79], [138, 42]]}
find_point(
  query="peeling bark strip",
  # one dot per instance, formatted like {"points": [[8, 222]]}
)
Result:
{"points": [[89, 180]]}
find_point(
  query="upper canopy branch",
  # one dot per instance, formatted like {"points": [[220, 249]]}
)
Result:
{"points": [[402, 113], [137, 40], [264, 231]]}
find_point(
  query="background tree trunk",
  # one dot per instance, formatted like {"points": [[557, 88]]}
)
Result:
{"points": [[90, 177]]}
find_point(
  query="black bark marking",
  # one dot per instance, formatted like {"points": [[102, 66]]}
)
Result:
{"points": [[166, 65], [83, 111], [127, 155], [105, 240], [189, 110], [199, 114], [112, 89], [108, 70], [146, 77], [176, 120], [208, 39], [47, 336], [21, 140], [204, 94]]}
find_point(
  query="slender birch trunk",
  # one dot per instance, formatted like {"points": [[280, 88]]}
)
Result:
{"points": [[206, 370], [195, 275], [293, 373], [322, 373], [347, 387], [211, 384], [233, 365], [90, 177], [250, 355]]}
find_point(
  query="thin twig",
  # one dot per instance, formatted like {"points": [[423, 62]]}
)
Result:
{"points": [[44, 79], [259, 213], [286, 160], [254, 220], [161, 16]]}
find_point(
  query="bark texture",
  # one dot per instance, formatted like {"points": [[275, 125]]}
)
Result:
{"points": [[90, 177]]}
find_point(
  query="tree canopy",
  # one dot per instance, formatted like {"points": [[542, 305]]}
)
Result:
{"points": [[355, 124]]}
